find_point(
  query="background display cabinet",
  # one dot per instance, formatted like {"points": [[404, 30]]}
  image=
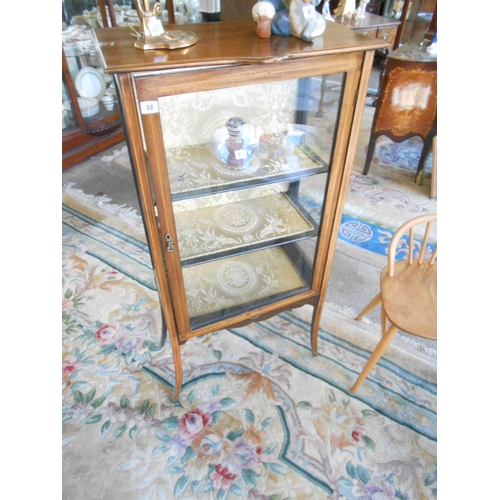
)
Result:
{"points": [[241, 184], [90, 117]]}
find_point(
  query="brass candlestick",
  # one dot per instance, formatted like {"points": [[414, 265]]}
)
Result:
{"points": [[153, 36]]}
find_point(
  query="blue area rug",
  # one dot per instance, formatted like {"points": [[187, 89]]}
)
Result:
{"points": [[363, 234]]}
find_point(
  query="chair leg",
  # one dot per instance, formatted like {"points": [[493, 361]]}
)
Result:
{"points": [[377, 354], [383, 320], [434, 168], [374, 303]]}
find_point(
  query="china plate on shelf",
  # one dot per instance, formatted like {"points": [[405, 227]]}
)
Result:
{"points": [[425, 15], [88, 106], [90, 83]]}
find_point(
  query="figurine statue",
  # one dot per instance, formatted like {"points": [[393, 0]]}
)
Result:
{"points": [[361, 12], [397, 9], [346, 8], [326, 12], [305, 22], [281, 21], [298, 18], [263, 13]]}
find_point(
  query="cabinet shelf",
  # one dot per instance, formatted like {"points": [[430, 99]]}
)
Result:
{"points": [[230, 286], [197, 170], [251, 222], [103, 123]]}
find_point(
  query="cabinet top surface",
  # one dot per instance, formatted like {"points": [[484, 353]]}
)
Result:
{"points": [[369, 21], [224, 43]]}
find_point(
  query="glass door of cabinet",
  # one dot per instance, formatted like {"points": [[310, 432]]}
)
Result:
{"points": [[247, 169]]}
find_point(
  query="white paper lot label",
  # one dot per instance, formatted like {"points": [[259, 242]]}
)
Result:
{"points": [[148, 107], [154, 26], [309, 11], [240, 154]]}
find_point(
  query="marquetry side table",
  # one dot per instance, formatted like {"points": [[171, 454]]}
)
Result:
{"points": [[407, 106]]}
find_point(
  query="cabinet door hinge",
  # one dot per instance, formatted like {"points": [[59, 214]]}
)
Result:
{"points": [[170, 244], [155, 208]]}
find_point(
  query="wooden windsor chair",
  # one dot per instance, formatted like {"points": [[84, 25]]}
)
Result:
{"points": [[408, 291]]}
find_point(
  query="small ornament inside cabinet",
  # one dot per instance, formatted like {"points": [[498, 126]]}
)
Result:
{"points": [[241, 185]]}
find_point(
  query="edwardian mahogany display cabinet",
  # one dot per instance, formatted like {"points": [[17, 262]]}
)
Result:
{"points": [[241, 185]]}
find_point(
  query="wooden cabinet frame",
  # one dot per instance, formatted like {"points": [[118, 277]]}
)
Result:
{"points": [[339, 51]]}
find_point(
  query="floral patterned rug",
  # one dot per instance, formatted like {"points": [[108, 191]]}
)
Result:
{"points": [[388, 196], [258, 416]]}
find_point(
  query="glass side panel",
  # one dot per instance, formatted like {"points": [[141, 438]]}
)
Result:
{"points": [[248, 168]]}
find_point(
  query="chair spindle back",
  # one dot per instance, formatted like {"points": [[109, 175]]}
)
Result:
{"points": [[410, 227]]}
